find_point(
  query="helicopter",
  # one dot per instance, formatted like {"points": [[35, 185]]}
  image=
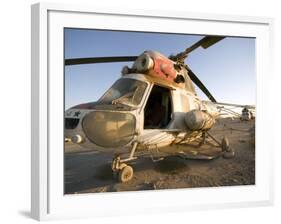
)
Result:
{"points": [[151, 107]]}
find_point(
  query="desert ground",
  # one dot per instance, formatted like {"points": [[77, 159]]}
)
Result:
{"points": [[88, 171]]}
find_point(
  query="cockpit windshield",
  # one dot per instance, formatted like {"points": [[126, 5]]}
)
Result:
{"points": [[125, 91]]}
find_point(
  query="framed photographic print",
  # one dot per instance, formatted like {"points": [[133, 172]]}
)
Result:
{"points": [[148, 111]]}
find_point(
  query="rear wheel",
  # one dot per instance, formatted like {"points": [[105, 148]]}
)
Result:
{"points": [[225, 144], [228, 152]]}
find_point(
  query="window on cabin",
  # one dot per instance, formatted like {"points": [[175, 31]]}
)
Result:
{"points": [[125, 91], [158, 109]]}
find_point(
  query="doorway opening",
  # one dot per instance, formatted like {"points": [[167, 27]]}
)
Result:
{"points": [[158, 109]]}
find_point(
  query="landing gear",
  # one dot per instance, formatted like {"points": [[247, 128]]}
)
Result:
{"points": [[124, 172]]}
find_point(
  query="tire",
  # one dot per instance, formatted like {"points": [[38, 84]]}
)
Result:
{"points": [[125, 174]]}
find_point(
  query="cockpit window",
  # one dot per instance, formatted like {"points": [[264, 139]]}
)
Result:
{"points": [[125, 91]]}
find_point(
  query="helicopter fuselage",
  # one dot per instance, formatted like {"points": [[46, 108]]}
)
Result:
{"points": [[115, 122]]}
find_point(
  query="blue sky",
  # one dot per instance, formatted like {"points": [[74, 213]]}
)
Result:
{"points": [[227, 68]]}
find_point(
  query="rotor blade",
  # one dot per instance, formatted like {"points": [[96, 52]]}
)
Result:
{"points": [[79, 61], [197, 81], [210, 40], [205, 42]]}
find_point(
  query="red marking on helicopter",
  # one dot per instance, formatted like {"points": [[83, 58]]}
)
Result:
{"points": [[163, 68]]}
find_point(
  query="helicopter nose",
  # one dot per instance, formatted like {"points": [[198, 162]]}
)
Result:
{"points": [[109, 129]]}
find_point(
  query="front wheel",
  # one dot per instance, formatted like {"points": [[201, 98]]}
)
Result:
{"points": [[125, 174]]}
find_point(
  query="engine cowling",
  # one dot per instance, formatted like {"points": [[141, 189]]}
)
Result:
{"points": [[198, 120], [144, 63]]}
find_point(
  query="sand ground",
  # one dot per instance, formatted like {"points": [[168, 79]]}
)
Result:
{"points": [[88, 171]]}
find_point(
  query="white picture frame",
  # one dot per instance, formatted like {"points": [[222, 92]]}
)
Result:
{"points": [[48, 201]]}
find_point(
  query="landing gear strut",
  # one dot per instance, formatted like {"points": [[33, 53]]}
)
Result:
{"points": [[227, 151], [124, 172]]}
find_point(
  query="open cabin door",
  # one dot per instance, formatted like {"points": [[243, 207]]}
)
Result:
{"points": [[158, 108], [157, 118]]}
